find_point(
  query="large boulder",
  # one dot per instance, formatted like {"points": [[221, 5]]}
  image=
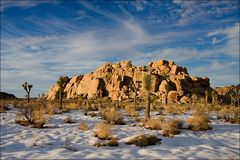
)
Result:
{"points": [[172, 96], [115, 79]]}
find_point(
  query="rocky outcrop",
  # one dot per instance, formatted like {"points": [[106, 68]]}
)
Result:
{"points": [[4, 95], [115, 79]]}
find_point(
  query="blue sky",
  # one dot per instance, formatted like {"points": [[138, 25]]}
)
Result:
{"points": [[41, 40]]}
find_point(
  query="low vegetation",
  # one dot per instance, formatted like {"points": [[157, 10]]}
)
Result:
{"points": [[199, 123], [32, 114], [144, 140], [83, 126], [171, 127], [111, 115], [103, 131]]}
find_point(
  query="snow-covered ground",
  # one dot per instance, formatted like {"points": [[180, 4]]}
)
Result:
{"points": [[66, 141]]}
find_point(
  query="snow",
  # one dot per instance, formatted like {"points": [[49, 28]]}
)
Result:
{"points": [[65, 141]]}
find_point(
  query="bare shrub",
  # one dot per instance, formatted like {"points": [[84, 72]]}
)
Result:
{"points": [[83, 126], [199, 123], [200, 109], [144, 140], [131, 111], [154, 124], [39, 117], [51, 109], [71, 106], [111, 115], [32, 114], [112, 142], [171, 127], [230, 114], [171, 109], [103, 131]]}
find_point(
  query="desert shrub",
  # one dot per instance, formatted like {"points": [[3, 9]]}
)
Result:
{"points": [[112, 142], [144, 140], [201, 109], [111, 115], [51, 109], [181, 109], [131, 111], [171, 127], [199, 123], [68, 120], [83, 126], [230, 114], [171, 109], [39, 118], [32, 114], [71, 106], [103, 131], [154, 124]]}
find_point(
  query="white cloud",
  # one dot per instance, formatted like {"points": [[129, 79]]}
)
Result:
{"points": [[231, 35]]}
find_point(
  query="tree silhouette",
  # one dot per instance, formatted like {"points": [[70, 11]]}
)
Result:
{"points": [[147, 81], [62, 81], [27, 87]]}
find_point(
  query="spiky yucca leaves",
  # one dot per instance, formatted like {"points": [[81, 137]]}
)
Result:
{"points": [[62, 81], [147, 81], [27, 87]]}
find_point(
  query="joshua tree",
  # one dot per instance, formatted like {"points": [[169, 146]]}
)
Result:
{"points": [[214, 97], [27, 87], [62, 81], [147, 86]]}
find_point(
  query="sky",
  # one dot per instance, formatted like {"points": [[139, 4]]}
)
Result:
{"points": [[42, 40]]}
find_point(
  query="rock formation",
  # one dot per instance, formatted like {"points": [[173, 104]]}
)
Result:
{"points": [[114, 80]]}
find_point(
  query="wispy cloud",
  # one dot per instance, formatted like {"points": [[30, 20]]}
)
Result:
{"points": [[5, 4]]}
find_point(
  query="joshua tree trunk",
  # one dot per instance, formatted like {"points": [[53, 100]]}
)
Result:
{"points": [[147, 114], [28, 96]]}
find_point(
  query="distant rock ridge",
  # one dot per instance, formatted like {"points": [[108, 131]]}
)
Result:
{"points": [[4, 95], [114, 80]]}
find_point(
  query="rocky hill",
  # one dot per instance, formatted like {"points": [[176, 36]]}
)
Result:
{"points": [[115, 80], [4, 95]]}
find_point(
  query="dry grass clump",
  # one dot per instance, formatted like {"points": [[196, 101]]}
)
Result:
{"points": [[230, 114], [171, 127], [71, 106], [51, 108], [154, 124], [201, 109], [32, 114], [144, 140], [83, 126], [199, 123], [171, 109], [131, 111], [103, 131], [111, 115], [68, 120]]}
